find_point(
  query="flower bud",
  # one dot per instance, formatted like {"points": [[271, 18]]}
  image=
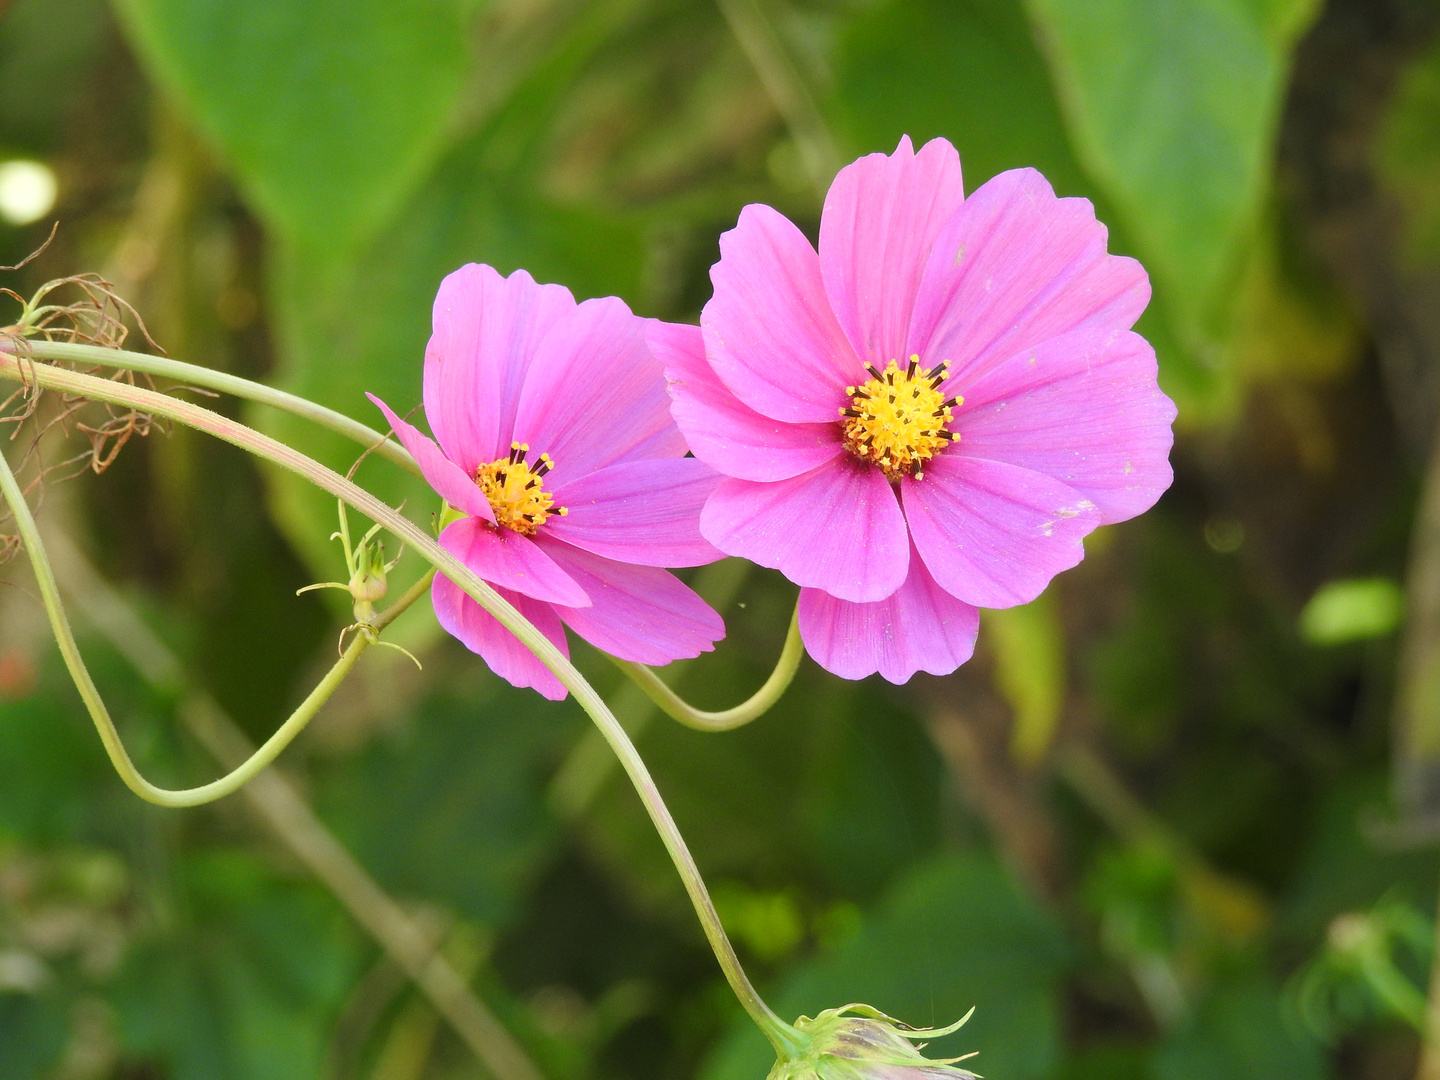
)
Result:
{"points": [[865, 1045]]}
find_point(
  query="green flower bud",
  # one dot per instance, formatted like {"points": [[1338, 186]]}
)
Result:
{"points": [[368, 584], [866, 1045]]}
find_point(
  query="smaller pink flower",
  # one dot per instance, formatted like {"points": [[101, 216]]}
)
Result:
{"points": [[927, 415], [555, 440]]}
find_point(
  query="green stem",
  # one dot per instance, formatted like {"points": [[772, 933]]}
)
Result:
{"points": [[674, 706], [209, 379], [782, 1036], [95, 704]]}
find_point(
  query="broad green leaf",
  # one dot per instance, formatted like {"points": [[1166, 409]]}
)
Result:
{"points": [[967, 70], [1173, 107], [328, 111], [954, 933]]}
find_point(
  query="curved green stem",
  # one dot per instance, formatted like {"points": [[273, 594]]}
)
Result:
{"points": [[782, 1036], [95, 704], [209, 379], [676, 707]]}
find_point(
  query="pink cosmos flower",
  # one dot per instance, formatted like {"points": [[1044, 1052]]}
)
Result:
{"points": [[928, 415], [556, 442]]}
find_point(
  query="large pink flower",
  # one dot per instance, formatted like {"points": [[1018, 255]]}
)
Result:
{"points": [[556, 442], [928, 415]]}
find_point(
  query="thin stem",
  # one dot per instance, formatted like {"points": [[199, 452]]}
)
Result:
{"points": [[209, 379], [781, 1035], [95, 704], [277, 802], [676, 707]]}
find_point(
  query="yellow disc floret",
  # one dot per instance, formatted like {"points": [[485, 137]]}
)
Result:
{"points": [[516, 491], [899, 419]]}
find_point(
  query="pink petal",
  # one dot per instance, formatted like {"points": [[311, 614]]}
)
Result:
{"points": [[769, 331], [450, 481], [1084, 409], [482, 633], [596, 395], [510, 561], [640, 613], [1016, 266], [882, 215], [837, 528], [919, 627], [994, 534], [486, 329], [645, 512], [724, 432]]}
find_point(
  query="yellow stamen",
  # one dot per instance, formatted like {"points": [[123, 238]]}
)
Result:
{"points": [[898, 420], [516, 491]]}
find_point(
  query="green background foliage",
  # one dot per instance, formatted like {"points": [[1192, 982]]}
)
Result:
{"points": [[1131, 833]]}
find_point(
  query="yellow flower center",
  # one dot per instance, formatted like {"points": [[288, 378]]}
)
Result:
{"points": [[516, 492], [897, 420]]}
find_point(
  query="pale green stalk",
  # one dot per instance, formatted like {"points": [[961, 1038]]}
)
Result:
{"points": [[674, 706], [95, 704], [209, 379], [781, 1035]]}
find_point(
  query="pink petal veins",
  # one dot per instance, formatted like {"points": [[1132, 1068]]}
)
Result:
{"points": [[482, 633], [639, 613], [837, 528], [645, 512], [595, 394], [770, 333], [723, 431], [919, 627], [882, 215], [1083, 409], [450, 481], [486, 329], [511, 561], [1014, 267], [994, 534]]}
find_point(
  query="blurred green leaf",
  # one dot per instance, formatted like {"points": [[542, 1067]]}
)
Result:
{"points": [[329, 111], [452, 807], [1173, 108], [247, 986], [32, 1034], [1240, 1030], [1352, 609], [967, 70], [1407, 155], [954, 933]]}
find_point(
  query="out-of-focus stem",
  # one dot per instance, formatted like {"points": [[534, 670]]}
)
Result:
{"points": [[408, 944], [755, 32], [222, 382], [674, 706], [782, 1036]]}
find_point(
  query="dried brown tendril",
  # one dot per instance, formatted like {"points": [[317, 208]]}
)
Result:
{"points": [[84, 309]]}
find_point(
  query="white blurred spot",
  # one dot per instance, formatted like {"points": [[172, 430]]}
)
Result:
{"points": [[27, 191]]}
